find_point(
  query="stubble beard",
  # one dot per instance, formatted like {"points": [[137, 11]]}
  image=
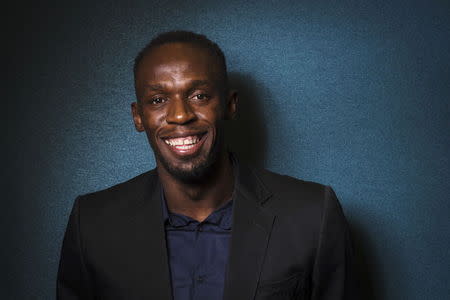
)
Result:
{"points": [[193, 170]]}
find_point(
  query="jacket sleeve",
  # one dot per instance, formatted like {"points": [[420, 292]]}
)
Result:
{"points": [[333, 275], [73, 280]]}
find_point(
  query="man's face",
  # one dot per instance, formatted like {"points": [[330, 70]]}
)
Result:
{"points": [[182, 102]]}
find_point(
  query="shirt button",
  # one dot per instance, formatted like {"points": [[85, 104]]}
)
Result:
{"points": [[200, 228], [200, 279]]}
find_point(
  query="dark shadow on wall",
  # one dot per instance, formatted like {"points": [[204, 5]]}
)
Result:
{"points": [[246, 135]]}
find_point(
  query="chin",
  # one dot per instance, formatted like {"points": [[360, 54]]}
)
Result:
{"points": [[192, 171]]}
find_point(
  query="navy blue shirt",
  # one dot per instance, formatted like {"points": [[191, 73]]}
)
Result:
{"points": [[198, 253]]}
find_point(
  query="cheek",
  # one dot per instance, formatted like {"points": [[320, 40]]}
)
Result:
{"points": [[152, 120], [213, 113]]}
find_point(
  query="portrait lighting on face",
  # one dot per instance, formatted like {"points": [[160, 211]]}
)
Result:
{"points": [[183, 100]]}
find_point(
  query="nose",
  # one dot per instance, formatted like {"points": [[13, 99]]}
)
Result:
{"points": [[179, 112]]}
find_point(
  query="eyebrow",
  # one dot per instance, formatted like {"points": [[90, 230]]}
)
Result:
{"points": [[154, 87], [197, 83], [193, 85]]}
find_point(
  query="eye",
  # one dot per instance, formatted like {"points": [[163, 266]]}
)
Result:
{"points": [[158, 100], [200, 97]]}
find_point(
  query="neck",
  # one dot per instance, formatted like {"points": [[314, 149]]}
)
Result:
{"points": [[198, 200]]}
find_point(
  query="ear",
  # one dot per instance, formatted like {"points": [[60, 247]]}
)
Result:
{"points": [[231, 105], [135, 111]]}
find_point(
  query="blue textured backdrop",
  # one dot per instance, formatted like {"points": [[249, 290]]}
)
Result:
{"points": [[354, 94]]}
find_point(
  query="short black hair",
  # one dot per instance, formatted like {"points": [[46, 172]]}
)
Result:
{"points": [[181, 36]]}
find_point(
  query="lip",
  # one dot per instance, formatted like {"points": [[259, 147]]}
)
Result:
{"points": [[185, 152]]}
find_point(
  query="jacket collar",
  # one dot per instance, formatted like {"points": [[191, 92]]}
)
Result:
{"points": [[252, 226]]}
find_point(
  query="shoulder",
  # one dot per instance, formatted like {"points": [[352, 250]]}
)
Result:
{"points": [[122, 194], [288, 185], [302, 207], [290, 195]]}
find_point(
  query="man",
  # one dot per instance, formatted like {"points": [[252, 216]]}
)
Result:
{"points": [[201, 225]]}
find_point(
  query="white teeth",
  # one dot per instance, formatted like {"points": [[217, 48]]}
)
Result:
{"points": [[185, 147], [183, 143]]}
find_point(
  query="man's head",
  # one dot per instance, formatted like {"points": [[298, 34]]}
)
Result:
{"points": [[182, 100]]}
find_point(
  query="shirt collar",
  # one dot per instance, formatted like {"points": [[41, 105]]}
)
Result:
{"points": [[221, 217]]}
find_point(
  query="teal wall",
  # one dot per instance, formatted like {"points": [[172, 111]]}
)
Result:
{"points": [[353, 94]]}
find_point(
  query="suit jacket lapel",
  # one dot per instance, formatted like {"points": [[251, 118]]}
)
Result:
{"points": [[149, 264], [250, 235]]}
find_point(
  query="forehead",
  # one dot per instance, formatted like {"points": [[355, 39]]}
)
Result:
{"points": [[177, 61]]}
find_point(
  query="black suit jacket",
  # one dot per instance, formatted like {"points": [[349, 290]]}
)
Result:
{"points": [[289, 240]]}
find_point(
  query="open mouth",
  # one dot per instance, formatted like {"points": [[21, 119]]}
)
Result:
{"points": [[185, 144]]}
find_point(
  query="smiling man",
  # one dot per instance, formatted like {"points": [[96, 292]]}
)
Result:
{"points": [[202, 225]]}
